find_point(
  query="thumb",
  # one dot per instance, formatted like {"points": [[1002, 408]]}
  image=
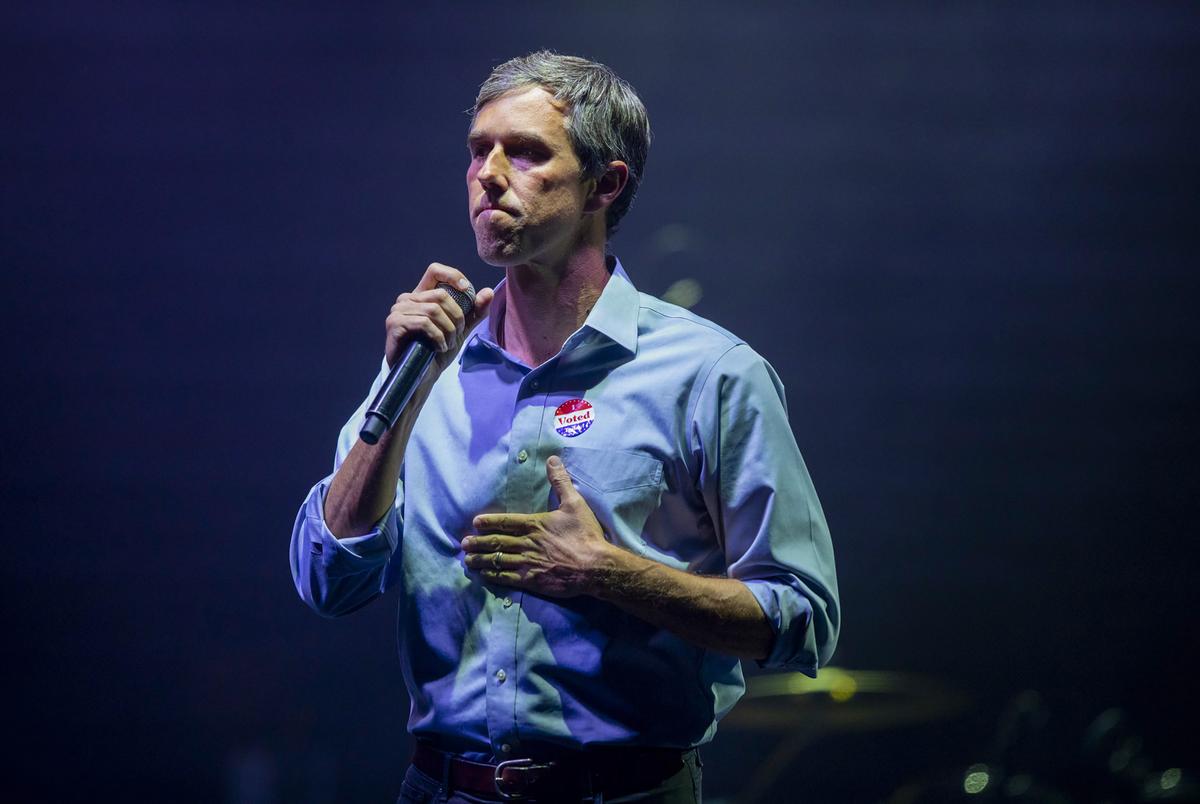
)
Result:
{"points": [[559, 479], [483, 302]]}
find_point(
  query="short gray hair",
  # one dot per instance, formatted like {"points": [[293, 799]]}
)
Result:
{"points": [[606, 120]]}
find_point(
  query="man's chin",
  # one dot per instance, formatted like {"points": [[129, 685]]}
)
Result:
{"points": [[501, 255]]}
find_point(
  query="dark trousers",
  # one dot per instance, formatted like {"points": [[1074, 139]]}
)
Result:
{"points": [[681, 788]]}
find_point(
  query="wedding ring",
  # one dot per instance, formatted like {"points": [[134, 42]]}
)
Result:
{"points": [[496, 561]]}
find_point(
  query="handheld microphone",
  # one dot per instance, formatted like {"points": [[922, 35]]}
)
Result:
{"points": [[405, 376]]}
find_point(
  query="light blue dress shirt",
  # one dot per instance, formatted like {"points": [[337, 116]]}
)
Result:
{"points": [[686, 457]]}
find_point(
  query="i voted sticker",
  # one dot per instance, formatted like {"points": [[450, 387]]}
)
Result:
{"points": [[573, 417]]}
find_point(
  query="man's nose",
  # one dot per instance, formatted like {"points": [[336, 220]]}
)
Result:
{"points": [[493, 173]]}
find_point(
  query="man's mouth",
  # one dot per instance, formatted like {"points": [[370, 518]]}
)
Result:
{"points": [[494, 208]]}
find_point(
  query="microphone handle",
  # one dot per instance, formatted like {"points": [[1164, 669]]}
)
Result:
{"points": [[405, 376], [396, 390]]}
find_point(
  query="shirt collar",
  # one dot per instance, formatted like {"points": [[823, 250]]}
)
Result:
{"points": [[614, 316]]}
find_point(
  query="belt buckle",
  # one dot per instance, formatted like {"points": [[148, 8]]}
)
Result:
{"points": [[523, 764]]}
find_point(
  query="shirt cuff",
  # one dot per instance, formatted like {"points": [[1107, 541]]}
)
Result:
{"points": [[790, 614], [353, 554]]}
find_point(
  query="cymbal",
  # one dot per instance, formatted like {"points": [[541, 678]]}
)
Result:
{"points": [[841, 700]]}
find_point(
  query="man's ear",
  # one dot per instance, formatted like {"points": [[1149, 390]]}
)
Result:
{"points": [[608, 186]]}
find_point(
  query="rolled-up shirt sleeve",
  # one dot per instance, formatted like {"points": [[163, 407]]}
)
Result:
{"points": [[764, 508], [337, 576]]}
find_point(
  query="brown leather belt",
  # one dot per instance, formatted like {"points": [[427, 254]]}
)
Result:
{"points": [[610, 771]]}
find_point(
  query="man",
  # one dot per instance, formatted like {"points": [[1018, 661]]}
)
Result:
{"points": [[594, 503]]}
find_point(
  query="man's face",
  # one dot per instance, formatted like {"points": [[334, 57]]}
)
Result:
{"points": [[525, 191]]}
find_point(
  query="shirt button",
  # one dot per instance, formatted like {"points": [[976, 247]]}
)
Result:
{"points": [[536, 384], [501, 675], [505, 748], [522, 456], [507, 602]]}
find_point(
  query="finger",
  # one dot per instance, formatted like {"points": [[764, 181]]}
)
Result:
{"points": [[434, 311], [450, 307], [437, 272], [454, 313], [512, 579], [413, 323], [440, 295], [493, 543], [463, 322], [427, 303], [516, 524], [403, 325], [560, 481], [494, 562]]}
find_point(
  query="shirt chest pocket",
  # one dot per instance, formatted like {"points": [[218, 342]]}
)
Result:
{"points": [[622, 488]]}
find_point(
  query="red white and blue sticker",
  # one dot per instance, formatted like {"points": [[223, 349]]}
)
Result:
{"points": [[573, 417]]}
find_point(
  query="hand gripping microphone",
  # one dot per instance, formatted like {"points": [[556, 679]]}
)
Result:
{"points": [[405, 375]]}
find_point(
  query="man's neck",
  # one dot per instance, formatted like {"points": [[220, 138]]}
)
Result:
{"points": [[546, 303]]}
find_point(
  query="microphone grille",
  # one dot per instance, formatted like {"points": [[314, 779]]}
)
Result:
{"points": [[465, 299]]}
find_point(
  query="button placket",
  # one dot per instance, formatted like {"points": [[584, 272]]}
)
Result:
{"points": [[519, 496]]}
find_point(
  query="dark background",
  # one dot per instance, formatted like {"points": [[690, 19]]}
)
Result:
{"points": [[965, 234]]}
